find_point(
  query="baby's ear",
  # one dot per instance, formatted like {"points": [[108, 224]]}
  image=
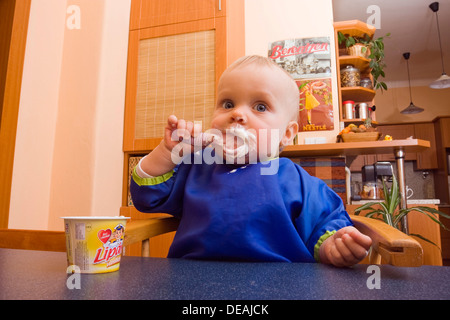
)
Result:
{"points": [[290, 133]]}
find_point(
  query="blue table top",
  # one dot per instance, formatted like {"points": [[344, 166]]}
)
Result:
{"points": [[42, 275]]}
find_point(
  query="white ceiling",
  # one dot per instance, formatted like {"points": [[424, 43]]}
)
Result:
{"points": [[413, 29]]}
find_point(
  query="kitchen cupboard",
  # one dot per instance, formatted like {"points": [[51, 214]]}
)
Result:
{"points": [[177, 52]]}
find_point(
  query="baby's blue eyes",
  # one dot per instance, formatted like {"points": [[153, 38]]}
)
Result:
{"points": [[228, 105], [258, 107]]}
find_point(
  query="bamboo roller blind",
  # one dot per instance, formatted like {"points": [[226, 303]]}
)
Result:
{"points": [[176, 75]]}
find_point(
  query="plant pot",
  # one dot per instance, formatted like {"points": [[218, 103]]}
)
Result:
{"points": [[357, 50]]}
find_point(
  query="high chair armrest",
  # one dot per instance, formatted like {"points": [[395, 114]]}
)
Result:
{"points": [[141, 230], [394, 247]]}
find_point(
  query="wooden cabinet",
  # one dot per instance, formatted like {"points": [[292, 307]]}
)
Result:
{"points": [[356, 94]]}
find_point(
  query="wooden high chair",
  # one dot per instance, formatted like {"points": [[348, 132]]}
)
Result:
{"points": [[389, 245]]}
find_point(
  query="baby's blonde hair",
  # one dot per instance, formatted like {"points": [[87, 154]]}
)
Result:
{"points": [[294, 95]]}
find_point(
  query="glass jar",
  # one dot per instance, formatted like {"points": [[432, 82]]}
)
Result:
{"points": [[372, 191], [366, 83], [350, 76]]}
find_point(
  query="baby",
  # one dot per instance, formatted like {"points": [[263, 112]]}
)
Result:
{"points": [[228, 209]]}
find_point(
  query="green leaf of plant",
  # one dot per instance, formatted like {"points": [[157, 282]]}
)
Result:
{"points": [[425, 211], [424, 239], [400, 215], [434, 211], [373, 213], [394, 195], [365, 206]]}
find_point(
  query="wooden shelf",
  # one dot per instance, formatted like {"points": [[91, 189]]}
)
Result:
{"points": [[354, 28], [357, 94], [358, 121], [358, 62], [355, 148]]}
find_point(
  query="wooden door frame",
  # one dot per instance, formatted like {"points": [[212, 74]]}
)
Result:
{"points": [[15, 31]]}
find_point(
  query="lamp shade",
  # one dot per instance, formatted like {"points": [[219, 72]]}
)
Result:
{"points": [[442, 82], [411, 109]]}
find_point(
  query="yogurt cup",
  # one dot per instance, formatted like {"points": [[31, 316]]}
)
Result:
{"points": [[94, 244]]}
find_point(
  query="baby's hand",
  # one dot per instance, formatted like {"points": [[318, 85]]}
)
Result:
{"points": [[345, 248], [179, 129]]}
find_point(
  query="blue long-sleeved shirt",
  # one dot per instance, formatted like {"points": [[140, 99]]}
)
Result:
{"points": [[235, 213]]}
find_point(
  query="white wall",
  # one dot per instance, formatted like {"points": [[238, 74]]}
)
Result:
{"points": [[68, 158], [31, 181]]}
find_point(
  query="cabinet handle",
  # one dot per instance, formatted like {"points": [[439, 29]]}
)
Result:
{"points": [[220, 5]]}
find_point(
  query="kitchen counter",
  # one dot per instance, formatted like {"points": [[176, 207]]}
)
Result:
{"points": [[409, 201]]}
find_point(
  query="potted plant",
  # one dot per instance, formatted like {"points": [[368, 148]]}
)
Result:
{"points": [[370, 48], [390, 212]]}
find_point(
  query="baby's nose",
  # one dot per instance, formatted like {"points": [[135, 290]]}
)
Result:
{"points": [[239, 116]]}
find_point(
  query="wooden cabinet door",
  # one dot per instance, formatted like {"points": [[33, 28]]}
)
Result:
{"points": [[171, 70], [152, 13], [445, 132], [428, 158], [175, 59]]}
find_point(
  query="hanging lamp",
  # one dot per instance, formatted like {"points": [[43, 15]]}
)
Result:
{"points": [[411, 109], [444, 80]]}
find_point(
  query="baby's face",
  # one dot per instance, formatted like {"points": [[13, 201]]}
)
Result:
{"points": [[255, 97]]}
